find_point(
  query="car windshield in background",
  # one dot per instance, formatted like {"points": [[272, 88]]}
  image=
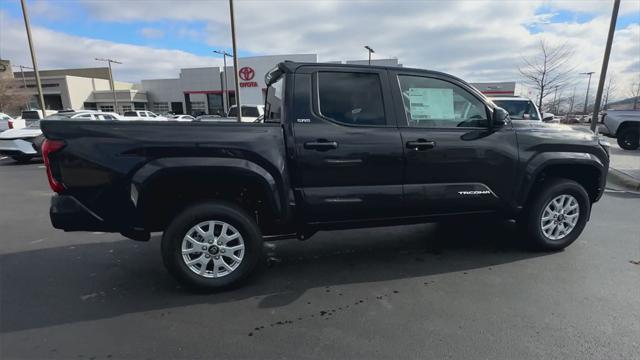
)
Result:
{"points": [[518, 109], [60, 116], [250, 111], [30, 115]]}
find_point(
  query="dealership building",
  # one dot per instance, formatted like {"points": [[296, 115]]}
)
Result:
{"points": [[193, 91]]}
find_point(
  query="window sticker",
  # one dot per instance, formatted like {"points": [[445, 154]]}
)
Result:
{"points": [[427, 104]]}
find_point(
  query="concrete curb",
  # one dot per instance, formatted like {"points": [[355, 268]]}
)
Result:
{"points": [[620, 180]]}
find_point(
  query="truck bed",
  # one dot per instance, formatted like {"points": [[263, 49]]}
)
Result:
{"points": [[102, 159]]}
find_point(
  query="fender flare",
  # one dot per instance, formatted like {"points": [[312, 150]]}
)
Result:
{"points": [[273, 187], [542, 161]]}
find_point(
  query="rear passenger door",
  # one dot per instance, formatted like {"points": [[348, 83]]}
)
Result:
{"points": [[348, 151]]}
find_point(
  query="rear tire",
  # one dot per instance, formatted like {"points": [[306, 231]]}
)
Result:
{"points": [[629, 138], [556, 215], [199, 256]]}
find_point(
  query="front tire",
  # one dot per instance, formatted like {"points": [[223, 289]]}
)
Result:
{"points": [[556, 215], [211, 246], [629, 138]]}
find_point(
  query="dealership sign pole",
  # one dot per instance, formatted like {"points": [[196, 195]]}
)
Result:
{"points": [[33, 55], [605, 64], [235, 61]]}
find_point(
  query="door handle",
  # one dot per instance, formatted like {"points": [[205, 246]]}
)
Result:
{"points": [[321, 145], [421, 145]]}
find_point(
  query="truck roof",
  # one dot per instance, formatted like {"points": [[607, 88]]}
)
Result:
{"points": [[292, 66]]}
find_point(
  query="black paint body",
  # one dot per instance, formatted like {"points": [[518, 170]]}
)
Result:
{"points": [[372, 176]]}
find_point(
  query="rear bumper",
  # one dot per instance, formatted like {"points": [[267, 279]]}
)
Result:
{"points": [[16, 147], [68, 214]]}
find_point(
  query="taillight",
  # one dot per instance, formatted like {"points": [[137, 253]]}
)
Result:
{"points": [[10, 123], [49, 147]]}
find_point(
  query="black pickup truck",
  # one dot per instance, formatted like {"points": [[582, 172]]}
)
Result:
{"points": [[340, 146]]}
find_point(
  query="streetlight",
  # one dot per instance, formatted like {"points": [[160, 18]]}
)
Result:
{"points": [[370, 50], [226, 85], [605, 64], [33, 55], [555, 94], [235, 59], [113, 88], [586, 98]]}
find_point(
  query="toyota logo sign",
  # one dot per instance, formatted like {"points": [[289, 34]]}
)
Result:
{"points": [[246, 73]]}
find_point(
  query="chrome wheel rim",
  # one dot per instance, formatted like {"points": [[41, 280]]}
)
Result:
{"points": [[560, 216], [212, 249]]}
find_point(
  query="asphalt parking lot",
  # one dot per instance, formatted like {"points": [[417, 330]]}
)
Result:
{"points": [[414, 292]]}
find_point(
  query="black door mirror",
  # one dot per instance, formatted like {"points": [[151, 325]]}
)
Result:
{"points": [[500, 117]]}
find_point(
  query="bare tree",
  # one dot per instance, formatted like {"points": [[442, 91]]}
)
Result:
{"points": [[635, 93], [609, 92], [12, 96], [550, 68]]}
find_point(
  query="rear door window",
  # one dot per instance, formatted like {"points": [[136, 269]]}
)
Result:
{"points": [[130, 113], [351, 98]]}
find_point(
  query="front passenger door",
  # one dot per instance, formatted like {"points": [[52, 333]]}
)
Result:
{"points": [[454, 161]]}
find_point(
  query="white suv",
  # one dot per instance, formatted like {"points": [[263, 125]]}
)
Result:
{"points": [[521, 108]]}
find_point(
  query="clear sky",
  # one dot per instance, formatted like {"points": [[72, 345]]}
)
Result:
{"points": [[476, 40]]}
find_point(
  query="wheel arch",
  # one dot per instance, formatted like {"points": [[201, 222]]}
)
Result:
{"points": [[584, 168], [164, 187], [625, 125]]}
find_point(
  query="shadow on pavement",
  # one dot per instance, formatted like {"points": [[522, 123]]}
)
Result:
{"points": [[94, 281]]}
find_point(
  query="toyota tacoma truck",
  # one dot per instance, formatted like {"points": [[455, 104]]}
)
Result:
{"points": [[341, 146]]}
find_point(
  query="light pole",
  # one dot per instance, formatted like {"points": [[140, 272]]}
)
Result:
{"points": [[33, 55], [226, 85], [605, 64], [586, 98], [235, 60], [113, 88], [370, 50], [555, 106]]}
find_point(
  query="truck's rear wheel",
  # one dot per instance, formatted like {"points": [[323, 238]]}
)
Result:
{"points": [[211, 246], [557, 215], [629, 138]]}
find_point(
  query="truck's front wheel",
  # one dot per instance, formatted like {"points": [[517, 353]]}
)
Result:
{"points": [[556, 215], [211, 246]]}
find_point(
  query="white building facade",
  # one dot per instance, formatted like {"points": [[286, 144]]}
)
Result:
{"points": [[202, 90]]}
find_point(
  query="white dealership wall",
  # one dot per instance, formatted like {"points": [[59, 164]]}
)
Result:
{"points": [[198, 82]]}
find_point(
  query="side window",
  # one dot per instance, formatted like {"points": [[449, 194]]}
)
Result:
{"points": [[351, 98], [435, 103]]}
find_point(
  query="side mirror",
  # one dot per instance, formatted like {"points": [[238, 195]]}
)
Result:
{"points": [[500, 117], [546, 117]]}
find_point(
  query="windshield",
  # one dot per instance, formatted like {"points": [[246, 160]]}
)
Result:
{"points": [[519, 109]]}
